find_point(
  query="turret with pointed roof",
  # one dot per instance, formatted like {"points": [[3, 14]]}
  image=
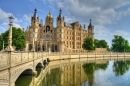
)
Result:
{"points": [[35, 19], [60, 19], [91, 29]]}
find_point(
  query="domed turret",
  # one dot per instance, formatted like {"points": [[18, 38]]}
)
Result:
{"points": [[49, 19], [49, 15]]}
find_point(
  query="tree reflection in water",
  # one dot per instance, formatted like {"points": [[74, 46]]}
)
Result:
{"points": [[121, 67], [76, 74], [89, 69]]}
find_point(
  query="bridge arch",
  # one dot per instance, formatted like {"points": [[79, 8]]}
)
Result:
{"points": [[38, 63], [19, 72], [38, 68], [25, 74]]}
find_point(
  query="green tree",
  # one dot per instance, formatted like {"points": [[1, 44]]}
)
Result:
{"points": [[120, 44], [100, 44], [96, 43], [88, 44], [18, 38], [127, 46]]}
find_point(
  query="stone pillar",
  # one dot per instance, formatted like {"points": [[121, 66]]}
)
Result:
{"points": [[41, 45], [9, 47], [49, 48], [46, 47], [54, 47], [61, 46], [33, 47], [27, 47]]}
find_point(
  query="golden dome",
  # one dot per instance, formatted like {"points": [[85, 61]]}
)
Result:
{"points": [[49, 15]]}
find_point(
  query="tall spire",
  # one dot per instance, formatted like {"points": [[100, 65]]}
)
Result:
{"points": [[60, 15], [90, 25], [35, 11], [49, 12]]}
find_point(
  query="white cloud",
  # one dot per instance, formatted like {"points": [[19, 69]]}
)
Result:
{"points": [[69, 19], [52, 3], [16, 25], [60, 4], [27, 17], [122, 33], [4, 16], [5, 21], [101, 31]]}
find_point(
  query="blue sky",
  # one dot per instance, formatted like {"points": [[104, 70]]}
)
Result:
{"points": [[109, 17]]}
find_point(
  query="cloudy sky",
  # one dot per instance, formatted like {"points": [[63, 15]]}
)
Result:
{"points": [[109, 17]]}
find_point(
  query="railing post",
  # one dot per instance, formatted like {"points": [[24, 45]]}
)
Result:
{"points": [[110, 55], [79, 56], [124, 55], [117, 55], [103, 55], [21, 57], [28, 56], [95, 56], [70, 57]]}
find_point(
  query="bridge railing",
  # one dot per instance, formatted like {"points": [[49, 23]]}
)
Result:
{"points": [[91, 55], [12, 59]]}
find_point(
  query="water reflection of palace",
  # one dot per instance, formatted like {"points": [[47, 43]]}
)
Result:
{"points": [[65, 75], [81, 74]]}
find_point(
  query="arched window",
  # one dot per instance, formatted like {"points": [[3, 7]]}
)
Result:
{"points": [[47, 28]]}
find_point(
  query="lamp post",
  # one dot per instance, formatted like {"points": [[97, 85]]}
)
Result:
{"points": [[9, 47]]}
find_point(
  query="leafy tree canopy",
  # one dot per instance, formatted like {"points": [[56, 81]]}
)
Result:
{"points": [[100, 43], [88, 44], [119, 44], [18, 38]]}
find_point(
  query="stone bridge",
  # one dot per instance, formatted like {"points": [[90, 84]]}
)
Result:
{"points": [[12, 65]]}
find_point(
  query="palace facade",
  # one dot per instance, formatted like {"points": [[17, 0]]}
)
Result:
{"points": [[65, 37]]}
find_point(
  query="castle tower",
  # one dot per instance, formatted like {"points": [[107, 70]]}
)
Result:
{"points": [[35, 19], [49, 20], [91, 30], [60, 31], [60, 19], [34, 25]]}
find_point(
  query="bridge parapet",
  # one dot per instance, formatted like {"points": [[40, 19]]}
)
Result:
{"points": [[4, 62], [10, 60]]}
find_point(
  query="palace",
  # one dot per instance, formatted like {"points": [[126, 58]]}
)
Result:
{"points": [[65, 37]]}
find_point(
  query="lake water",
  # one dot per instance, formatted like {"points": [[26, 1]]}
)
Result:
{"points": [[101, 73]]}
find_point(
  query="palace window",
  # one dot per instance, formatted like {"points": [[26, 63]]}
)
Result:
{"points": [[60, 35], [40, 31], [47, 36], [60, 30], [54, 31], [54, 36], [40, 36]]}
